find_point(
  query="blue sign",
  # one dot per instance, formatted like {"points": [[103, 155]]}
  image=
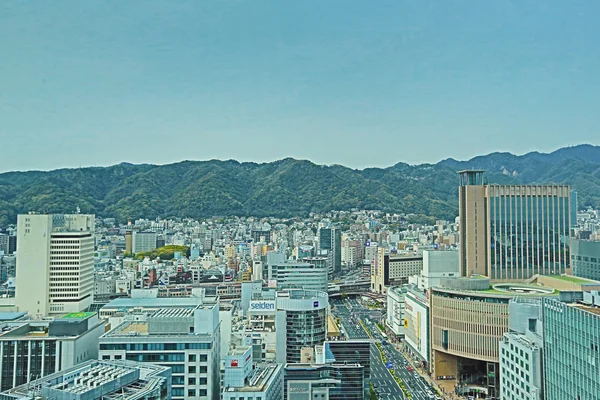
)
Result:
{"points": [[315, 304], [389, 365], [262, 305]]}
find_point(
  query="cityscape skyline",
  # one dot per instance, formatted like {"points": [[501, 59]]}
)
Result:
{"points": [[268, 80]]}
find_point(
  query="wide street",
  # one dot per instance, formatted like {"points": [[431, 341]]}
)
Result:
{"points": [[352, 316]]}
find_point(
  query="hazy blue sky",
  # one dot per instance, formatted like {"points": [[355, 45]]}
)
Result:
{"points": [[360, 83]]}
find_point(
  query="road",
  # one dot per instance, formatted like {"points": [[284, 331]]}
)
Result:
{"points": [[353, 316]]}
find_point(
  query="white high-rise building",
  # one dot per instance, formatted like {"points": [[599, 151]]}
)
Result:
{"points": [[143, 241], [55, 263]]}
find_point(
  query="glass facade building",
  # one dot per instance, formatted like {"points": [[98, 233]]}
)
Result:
{"points": [[513, 232], [324, 381], [529, 231], [301, 321], [571, 351]]}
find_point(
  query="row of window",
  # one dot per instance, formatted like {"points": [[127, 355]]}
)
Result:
{"points": [[155, 346]]}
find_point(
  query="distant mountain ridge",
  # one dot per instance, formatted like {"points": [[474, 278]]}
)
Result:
{"points": [[284, 188]]}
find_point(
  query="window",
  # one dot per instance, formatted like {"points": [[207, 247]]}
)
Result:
{"points": [[192, 369], [191, 392], [192, 358], [192, 381]]}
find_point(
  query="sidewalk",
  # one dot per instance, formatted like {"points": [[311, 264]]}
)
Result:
{"points": [[424, 373]]}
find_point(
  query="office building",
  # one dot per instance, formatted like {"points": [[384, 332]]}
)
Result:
{"points": [[393, 269], [330, 240], [521, 351], [185, 339], [99, 380], [337, 381], [585, 258], [301, 321], [34, 348], [513, 232], [298, 275], [245, 379], [571, 348], [439, 264], [142, 242], [55, 263]]}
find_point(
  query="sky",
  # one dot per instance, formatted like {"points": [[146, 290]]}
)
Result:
{"points": [[358, 83]]}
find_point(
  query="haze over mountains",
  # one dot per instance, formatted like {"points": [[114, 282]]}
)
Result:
{"points": [[285, 188]]}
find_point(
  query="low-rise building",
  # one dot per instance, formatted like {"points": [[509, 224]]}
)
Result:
{"points": [[35, 348], [248, 380], [99, 380]]}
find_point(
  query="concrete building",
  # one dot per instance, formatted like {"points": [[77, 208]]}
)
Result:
{"points": [[245, 379], [298, 275], [99, 380], [371, 251], [439, 264], [513, 232], [185, 339], [30, 349], [143, 241], [395, 309], [58, 250], [416, 324], [389, 270], [521, 351], [585, 258], [468, 321], [571, 343], [301, 321], [105, 286], [4, 242]]}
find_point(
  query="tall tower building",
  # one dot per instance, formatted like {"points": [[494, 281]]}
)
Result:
{"points": [[512, 232], [330, 239], [55, 263]]}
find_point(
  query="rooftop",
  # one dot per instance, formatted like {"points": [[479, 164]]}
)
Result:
{"points": [[96, 379], [260, 379], [126, 303], [78, 315], [573, 279], [590, 309]]}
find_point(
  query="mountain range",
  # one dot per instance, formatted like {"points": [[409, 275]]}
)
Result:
{"points": [[284, 188]]}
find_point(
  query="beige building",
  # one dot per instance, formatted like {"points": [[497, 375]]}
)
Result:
{"points": [[393, 269], [55, 263], [513, 232], [468, 319]]}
